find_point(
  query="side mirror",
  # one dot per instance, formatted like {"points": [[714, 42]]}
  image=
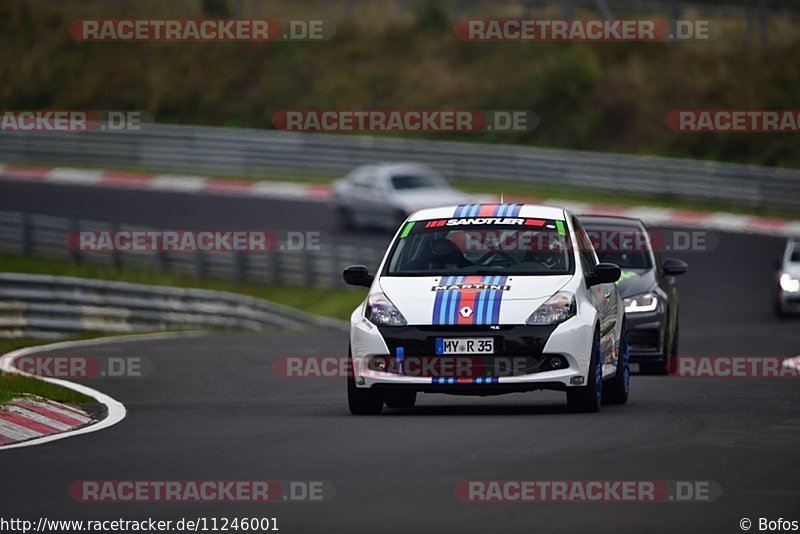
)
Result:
{"points": [[674, 267], [357, 275], [604, 273]]}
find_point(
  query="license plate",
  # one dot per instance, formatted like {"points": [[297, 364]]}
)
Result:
{"points": [[464, 345]]}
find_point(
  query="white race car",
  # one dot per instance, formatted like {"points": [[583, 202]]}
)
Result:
{"points": [[482, 299], [383, 195], [787, 280]]}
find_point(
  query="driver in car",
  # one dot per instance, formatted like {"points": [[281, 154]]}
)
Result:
{"points": [[441, 254]]}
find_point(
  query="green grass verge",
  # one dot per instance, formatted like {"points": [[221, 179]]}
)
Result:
{"points": [[327, 302], [12, 385]]}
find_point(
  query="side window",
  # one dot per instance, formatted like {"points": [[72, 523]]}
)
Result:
{"points": [[366, 181], [585, 249], [655, 255], [357, 178]]}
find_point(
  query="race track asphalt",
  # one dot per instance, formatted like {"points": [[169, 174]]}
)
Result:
{"points": [[213, 408]]}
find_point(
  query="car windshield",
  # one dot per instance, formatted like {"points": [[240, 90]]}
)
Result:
{"points": [[507, 246], [624, 245], [795, 253], [417, 181]]}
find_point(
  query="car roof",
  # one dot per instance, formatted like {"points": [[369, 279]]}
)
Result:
{"points": [[490, 210], [609, 219], [399, 167]]}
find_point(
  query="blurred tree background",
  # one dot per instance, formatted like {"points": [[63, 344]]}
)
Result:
{"points": [[396, 54]]}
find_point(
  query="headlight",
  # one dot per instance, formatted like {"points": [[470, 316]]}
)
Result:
{"points": [[556, 309], [381, 311], [646, 302], [789, 284]]}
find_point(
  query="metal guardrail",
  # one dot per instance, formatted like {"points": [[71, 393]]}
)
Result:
{"points": [[46, 236], [231, 150], [44, 306]]}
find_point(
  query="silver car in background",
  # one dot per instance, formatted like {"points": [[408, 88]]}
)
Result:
{"points": [[787, 280], [384, 194]]}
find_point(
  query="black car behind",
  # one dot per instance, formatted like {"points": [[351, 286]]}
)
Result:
{"points": [[647, 286]]}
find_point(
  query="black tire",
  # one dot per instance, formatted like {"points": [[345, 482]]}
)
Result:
{"points": [[670, 351], [672, 357], [587, 399], [779, 311], [363, 401], [615, 390], [400, 398], [675, 342]]}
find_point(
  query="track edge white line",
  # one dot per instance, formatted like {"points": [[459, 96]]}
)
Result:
{"points": [[116, 410]]}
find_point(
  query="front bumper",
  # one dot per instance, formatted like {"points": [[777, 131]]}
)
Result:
{"points": [[646, 336], [789, 301], [520, 362]]}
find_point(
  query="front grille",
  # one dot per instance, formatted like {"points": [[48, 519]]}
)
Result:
{"points": [[644, 339], [518, 350], [464, 366]]}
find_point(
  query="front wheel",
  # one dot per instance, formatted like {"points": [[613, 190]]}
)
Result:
{"points": [[400, 398], [615, 391], [362, 401], [672, 358], [587, 399]]}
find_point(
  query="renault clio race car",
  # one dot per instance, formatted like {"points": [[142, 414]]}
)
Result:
{"points": [[482, 299]]}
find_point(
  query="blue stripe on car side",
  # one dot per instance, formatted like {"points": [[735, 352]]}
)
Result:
{"points": [[487, 318], [480, 302], [454, 298], [441, 302], [502, 281]]}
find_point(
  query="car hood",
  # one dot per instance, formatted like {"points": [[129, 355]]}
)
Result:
{"points": [[635, 281], [418, 199], [425, 300]]}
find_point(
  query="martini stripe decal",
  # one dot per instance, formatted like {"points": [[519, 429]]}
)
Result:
{"points": [[487, 210], [464, 300]]}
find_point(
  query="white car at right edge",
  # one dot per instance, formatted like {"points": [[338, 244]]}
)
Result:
{"points": [[787, 282], [481, 299]]}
